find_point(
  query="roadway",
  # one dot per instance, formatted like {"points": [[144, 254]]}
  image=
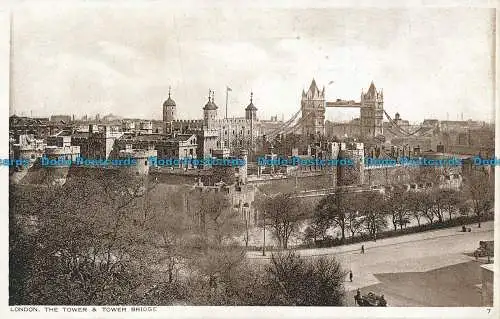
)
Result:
{"points": [[423, 269]]}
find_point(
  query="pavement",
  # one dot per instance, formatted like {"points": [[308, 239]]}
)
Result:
{"points": [[424, 269], [453, 286]]}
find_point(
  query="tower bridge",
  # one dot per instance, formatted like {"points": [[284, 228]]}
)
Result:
{"points": [[310, 118]]}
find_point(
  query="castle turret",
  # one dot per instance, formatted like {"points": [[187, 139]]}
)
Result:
{"points": [[210, 111], [138, 160], [169, 109], [251, 110]]}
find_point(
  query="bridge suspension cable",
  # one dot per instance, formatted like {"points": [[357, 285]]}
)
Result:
{"points": [[296, 125], [284, 125], [402, 130]]}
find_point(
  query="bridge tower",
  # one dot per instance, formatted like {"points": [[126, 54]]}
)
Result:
{"points": [[313, 110], [372, 112]]}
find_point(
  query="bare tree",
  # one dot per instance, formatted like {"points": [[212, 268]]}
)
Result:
{"points": [[452, 200], [172, 231], [425, 205], [219, 220], [373, 212], [438, 204], [479, 189], [354, 222], [314, 231], [284, 214], [412, 200], [399, 207], [299, 282], [330, 212], [222, 277], [89, 250]]}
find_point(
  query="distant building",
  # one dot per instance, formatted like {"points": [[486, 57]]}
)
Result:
{"points": [[38, 127], [61, 118], [28, 147], [211, 131], [271, 124], [434, 123], [111, 118], [181, 145], [460, 125], [166, 146], [98, 142]]}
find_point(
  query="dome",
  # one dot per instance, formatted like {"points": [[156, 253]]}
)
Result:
{"points": [[210, 104], [250, 106], [169, 101]]}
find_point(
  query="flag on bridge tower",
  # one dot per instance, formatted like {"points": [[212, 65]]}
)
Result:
{"points": [[228, 89]]}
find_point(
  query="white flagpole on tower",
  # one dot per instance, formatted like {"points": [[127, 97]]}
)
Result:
{"points": [[227, 95]]}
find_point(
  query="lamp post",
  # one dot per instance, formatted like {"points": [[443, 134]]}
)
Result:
{"points": [[264, 227]]}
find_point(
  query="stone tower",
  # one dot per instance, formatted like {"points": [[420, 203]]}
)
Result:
{"points": [[313, 110], [210, 111], [251, 116], [372, 112], [169, 109], [169, 113], [251, 110]]}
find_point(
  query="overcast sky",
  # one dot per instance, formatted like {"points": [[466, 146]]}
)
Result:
{"points": [[430, 62]]}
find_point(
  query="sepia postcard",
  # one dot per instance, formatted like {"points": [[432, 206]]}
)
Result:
{"points": [[230, 159]]}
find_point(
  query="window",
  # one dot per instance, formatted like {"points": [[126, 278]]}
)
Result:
{"points": [[146, 162]]}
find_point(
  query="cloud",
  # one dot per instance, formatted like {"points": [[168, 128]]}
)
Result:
{"points": [[429, 61]]}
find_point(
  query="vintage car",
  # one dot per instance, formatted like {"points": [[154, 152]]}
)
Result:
{"points": [[370, 300], [486, 248]]}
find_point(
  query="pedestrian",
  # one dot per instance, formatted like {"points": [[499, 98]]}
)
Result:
{"points": [[357, 297], [350, 275], [382, 302], [362, 249]]}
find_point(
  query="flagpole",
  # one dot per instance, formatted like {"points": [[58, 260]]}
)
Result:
{"points": [[227, 91]]}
